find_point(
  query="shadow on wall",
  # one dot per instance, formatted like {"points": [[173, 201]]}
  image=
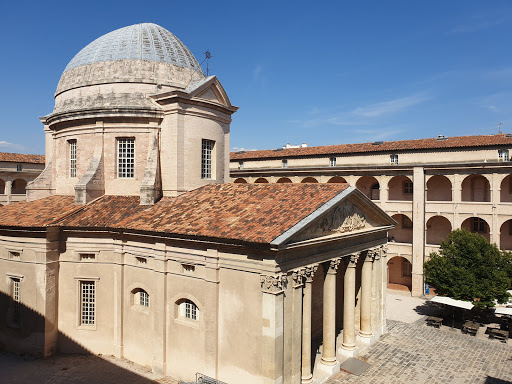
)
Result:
{"points": [[26, 342]]}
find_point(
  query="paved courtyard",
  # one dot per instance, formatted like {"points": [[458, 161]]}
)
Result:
{"points": [[416, 353]]}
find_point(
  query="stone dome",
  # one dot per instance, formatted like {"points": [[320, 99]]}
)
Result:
{"points": [[140, 53]]}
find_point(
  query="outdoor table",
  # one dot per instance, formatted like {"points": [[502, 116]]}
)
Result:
{"points": [[495, 333], [434, 321], [470, 327]]}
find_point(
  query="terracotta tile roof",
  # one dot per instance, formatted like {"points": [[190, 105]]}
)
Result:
{"points": [[403, 145], [255, 213], [21, 158], [104, 212], [247, 212], [38, 213]]}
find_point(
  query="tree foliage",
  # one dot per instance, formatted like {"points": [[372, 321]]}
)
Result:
{"points": [[470, 268]]}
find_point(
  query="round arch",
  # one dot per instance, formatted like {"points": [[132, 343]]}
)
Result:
{"points": [[438, 229], [400, 188], [506, 189], [284, 180], [310, 180], [261, 180], [506, 235], [477, 225], [439, 188], [399, 273], [337, 180], [370, 186], [476, 188], [402, 233], [19, 187], [240, 180]]}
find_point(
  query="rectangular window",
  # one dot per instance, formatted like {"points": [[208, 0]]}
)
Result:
{"points": [[478, 225], [187, 268], [14, 310], [240, 165], [332, 161], [406, 268], [125, 158], [14, 255], [190, 310], [72, 158], [406, 222], [408, 187], [19, 167], [285, 163], [144, 299], [503, 155], [394, 159], [87, 302], [206, 158], [87, 256], [141, 260]]}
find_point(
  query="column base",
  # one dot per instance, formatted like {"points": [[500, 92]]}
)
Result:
{"points": [[118, 351], [347, 352], [159, 368], [329, 369], [306, 380]]}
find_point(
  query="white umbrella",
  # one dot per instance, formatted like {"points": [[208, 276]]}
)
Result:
{"points": [[452, 302]]}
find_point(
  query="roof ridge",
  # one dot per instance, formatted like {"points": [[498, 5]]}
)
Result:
{"points": [[74, 211]]}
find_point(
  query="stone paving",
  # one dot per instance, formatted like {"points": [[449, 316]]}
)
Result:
{"points": [[416, 353]]}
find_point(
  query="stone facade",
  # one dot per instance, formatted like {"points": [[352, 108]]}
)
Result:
{"points": [[435, 186], [16, 171]]}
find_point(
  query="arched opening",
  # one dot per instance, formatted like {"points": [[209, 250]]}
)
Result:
{"points": [[261, 180], [140, 298], [439, 188], [2, 187], [506, 235], [506, 190], [399, 274], [369, 186], [438, 229], [337, 179], [400, 188], [309, 180], [187, 310], [402, 233], [476, 188], [477, 225], [240, 180], [19, 187], [284, 180]]}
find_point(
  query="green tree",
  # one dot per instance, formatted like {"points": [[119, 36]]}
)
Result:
{"points": [[470, 268]]}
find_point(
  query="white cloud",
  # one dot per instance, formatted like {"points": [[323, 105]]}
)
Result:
{"points": [[238, 149], [388, 107], [6, 144], [476, 25]]}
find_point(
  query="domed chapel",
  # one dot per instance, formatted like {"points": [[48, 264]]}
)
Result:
{"points": [[133, 243]]}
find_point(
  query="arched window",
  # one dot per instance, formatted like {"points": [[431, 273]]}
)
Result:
{"points": [[188, 310], [140, 298]]}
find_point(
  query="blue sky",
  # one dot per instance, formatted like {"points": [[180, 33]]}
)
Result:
{"points": [[325, 72]]}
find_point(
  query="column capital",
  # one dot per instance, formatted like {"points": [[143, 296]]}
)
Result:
{"points": [[374, 253], [352, 259], [384, 250], [333, 265], [304, 275], [273, 284]]}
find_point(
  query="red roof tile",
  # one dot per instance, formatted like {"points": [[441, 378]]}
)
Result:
{"points": [[38, 213], [243, 212], [247, 212], [403, 145], [21, 158]]}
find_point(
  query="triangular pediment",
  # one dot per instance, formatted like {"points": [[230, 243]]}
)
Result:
{"points": [[209, 89], [350, 213], [212, 94]]}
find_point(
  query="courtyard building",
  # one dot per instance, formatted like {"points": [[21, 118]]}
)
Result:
{"points": [[16, 171], [132, 242], [429, 186]]}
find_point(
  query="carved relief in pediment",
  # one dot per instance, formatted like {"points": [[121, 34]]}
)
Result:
{"points": [[344, 218]]}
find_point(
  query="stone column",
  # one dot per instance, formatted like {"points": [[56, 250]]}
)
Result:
{"points": [[376, 292], [418, 223], [307, 376], [383, 286], [272, 360], [8, 190], [366, 296], [349, 304], [329, 326]]}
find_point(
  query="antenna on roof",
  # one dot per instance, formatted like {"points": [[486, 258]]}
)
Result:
{"points": [[207, 57], [499, 128]]}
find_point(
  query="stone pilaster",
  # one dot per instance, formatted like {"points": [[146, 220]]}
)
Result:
{"points": [[376, 293]]}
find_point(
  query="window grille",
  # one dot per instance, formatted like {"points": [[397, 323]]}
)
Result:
{"points": [[190, 310], [285, 163], [332, 161], [503, 155], [15, 302], [72, 158], [394, 159], [126, 158], [87, 302], [408, 187], [143, 298], [406, 222], [206, 159], [87, 256]]}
